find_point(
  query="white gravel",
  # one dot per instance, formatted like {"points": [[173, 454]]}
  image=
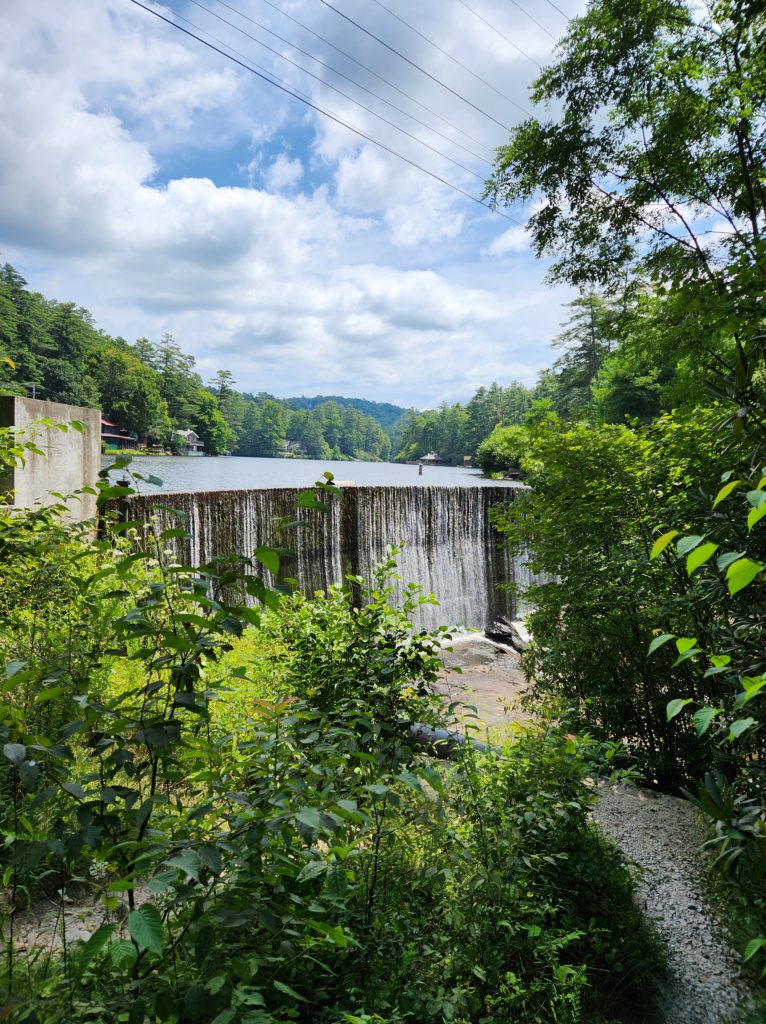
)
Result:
{"points": [[705, 984]]}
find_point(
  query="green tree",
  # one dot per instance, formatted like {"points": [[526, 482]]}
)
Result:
{"points": [[209, 423], [178, 383], [130, 394], [655, 164], [263, 429], [589, 335]]}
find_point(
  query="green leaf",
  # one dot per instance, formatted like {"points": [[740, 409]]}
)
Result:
{"points": [[15, 753], [739, 726], [281, 987], [687, 544], [726, 491], [702, 719], [91, 949], [659, 641], [685, 643], [700, 556], [269, 559], [752, 948], [52, 693], [310, 817], [741, 574], [661, 543], [755, 515], [145, 926], [29, 773], [225, 1017], [753, 686], [188, 861], [727, 558], [676, 706], [756, 497], [123, 954]]}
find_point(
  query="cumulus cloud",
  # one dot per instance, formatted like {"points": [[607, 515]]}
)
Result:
{"points": [[283, 173], [514, 240]]}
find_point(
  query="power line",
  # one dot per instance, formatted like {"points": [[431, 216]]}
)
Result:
{"points": [[449, 55], [369, 110], [266, 77], [495, 30], [555, 8], [369, 70], [423, 71], [353, 81], [534, 19]]}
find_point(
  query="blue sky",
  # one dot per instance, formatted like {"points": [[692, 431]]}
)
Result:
{"points": [[167, 189]]}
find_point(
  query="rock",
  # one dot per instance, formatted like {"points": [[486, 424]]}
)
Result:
{"points": [[474, 651], [515, 634]]}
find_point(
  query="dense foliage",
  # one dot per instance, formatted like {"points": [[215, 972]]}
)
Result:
{"points": [[648, 183], [234, 790]]}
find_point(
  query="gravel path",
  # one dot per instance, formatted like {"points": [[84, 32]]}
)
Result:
{"points": [[658, 832]]}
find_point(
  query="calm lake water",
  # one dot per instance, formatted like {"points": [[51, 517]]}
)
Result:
{"points": [[223, 473]]}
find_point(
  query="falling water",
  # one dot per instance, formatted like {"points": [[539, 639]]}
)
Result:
{"points": [[450, 548]]}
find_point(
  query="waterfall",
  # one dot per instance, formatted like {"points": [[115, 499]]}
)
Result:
{"points": [[450, 548]]}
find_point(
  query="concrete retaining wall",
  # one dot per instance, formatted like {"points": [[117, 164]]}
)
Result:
{"points": [[71, 459]]}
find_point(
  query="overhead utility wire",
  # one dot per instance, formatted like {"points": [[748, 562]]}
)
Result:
{"points": [[534, 19], [326, 113], [423, 71], [497, 31], [345, 95], [556, 8], [449, 55], [364, 67], [340, 74]]}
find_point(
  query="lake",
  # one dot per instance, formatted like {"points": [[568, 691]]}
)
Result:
{"points": [[223, 473]]}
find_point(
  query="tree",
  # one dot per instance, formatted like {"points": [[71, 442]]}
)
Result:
{"points": [[655, 164], [209, 423], [263, 429], [130, 395], [178, 383], [305, 428], [222, 384], [588, 336]]}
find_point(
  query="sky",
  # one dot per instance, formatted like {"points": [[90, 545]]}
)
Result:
{"points": [[168, 189]]}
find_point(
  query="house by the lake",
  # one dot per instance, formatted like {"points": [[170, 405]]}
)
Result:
{"points": [[115, 436], [189, 442], [431, 459]]}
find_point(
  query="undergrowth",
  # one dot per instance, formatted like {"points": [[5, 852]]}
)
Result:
{"points": [[238, 793]]}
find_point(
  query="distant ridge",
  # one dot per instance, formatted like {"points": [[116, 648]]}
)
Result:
{"points": [[384, 413]]}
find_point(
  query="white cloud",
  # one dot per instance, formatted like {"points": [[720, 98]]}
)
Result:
{"points": [[514, 240], [283, 173]]}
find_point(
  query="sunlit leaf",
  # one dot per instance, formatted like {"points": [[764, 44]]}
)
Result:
{"points": [[702, 718], [659, 641], [726, 491], [699, 556], [741, 574], [739, 726], [676, 706], [662, 542]]}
